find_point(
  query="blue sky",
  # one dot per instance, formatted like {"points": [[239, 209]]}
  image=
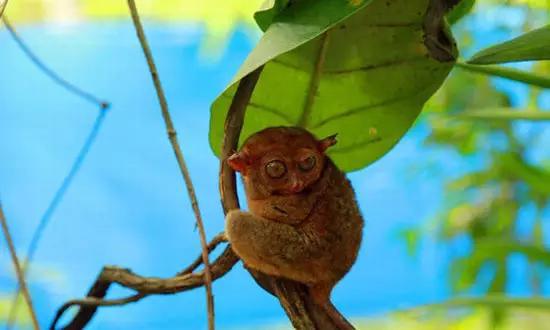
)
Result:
{"points": [[128, 205]]}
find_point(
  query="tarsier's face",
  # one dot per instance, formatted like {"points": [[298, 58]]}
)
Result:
{"points": [[282, 160]]}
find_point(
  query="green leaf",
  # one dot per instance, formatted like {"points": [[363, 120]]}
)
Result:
{"points": [[356, 68], [506, 114], [268, 11], [460, 10], [532, 46], [509, 73]]}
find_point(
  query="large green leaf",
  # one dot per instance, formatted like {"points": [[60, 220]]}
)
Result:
{"points": [[532, 46], [357, 68]]}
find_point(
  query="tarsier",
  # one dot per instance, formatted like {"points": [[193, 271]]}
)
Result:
{"points": [[304, 223]]}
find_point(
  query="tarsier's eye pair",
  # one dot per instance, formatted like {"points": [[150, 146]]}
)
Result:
{"points": [[277, 169]]}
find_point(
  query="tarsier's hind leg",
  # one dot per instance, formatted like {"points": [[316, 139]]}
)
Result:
{"points": [[271, 247]]}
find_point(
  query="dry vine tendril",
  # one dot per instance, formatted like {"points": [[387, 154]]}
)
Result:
{"points": [[75, 167]]}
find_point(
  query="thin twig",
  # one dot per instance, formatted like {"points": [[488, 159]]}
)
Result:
{"points": [[3, 7], [51, 73], [47, 216], [179, 156], [17, 267], [217, 240]]}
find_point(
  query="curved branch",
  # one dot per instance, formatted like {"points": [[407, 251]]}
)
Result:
{"points": [[142, 285]]}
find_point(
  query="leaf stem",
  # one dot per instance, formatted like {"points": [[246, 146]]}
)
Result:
{"points": [[508, 73]]}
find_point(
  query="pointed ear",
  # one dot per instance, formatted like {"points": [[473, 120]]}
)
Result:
{"points": [[237, 162], [327, 142]]}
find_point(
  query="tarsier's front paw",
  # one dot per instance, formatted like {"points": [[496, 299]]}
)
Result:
{"points": [[235, 226]]}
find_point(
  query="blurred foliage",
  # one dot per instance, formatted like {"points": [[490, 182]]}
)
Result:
{"points": [[23, 315], [486, 205], [467, 319], [218, 18]]}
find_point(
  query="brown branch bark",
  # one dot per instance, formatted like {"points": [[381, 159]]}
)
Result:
{"points": [[142, 285], [217, 240], [179, 157], [18, 270]]}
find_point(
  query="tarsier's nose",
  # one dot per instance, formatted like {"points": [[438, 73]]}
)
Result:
{"points": [[296, 186]]}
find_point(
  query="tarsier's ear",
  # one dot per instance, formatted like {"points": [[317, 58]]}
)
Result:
{"points": [[237, 162], [327, 142]]}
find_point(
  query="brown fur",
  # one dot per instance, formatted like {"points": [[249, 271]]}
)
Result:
{"points": [[305, 226]]}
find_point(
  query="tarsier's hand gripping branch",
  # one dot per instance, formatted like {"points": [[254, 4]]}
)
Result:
{"points": [[303, 223]]}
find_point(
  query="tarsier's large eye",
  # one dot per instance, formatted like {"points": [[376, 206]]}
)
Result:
{"points": [[275, 169], [308, 163]]}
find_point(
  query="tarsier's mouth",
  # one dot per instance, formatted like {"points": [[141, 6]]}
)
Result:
{"points": [[280, 210]]}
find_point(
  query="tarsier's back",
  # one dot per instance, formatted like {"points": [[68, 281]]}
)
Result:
{"points": [[304, 223]]}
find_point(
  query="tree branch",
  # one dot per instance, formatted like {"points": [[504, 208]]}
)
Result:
{"points": [[142, 285], [218, 239], [18, 270], [179, 157]]}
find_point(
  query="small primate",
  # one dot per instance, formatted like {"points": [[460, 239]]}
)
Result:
{"points": [[304, 223]]}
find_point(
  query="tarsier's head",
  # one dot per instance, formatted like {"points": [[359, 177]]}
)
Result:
{"points": [[282, 160]]}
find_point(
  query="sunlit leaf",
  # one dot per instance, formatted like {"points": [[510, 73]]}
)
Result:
{"points": [[534, 45], [509, 73], [349, 67]]}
